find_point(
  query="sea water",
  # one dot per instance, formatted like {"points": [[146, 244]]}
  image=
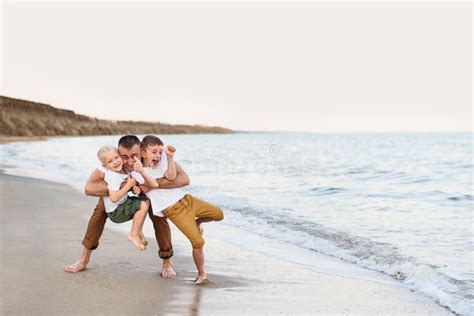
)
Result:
{"points": [[401, 204]]}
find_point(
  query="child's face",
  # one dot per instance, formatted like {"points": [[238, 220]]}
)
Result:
{"points": [[113, 161], [152, 155]]}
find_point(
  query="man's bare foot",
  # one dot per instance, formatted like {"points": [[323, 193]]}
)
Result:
{"points": [[201, 280], [143, 240], [168, 271], [76, 267], [135, 240]]}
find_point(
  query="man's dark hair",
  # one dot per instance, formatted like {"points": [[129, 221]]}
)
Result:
{"points": [[128, 141], [150, 140]]}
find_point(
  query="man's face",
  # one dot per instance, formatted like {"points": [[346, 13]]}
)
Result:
{"points": [[128, 156]]}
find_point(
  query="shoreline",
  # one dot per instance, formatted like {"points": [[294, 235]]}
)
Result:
{"points": [[12, 139], [36, 245]]}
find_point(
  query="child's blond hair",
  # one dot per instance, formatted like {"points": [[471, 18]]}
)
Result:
{"points": [[103, 150]]}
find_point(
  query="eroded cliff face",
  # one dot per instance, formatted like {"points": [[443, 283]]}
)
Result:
{"points": [[26, 118]]}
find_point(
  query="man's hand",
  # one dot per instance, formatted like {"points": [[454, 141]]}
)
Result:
{"points": [[137, 165], [145, 189], [136, 190]]}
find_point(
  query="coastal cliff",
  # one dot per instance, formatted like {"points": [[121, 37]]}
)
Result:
{"points": [[26, 118]]}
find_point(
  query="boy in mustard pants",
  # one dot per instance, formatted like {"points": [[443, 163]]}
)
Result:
{"points": [[184, 210]]}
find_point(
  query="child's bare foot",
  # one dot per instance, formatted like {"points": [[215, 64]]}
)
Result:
{"points": [[76, 267], [143, 240], [201, 280], [135, 240]]}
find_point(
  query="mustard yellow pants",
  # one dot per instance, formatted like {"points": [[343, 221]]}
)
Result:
{"points": [[184, 213]]}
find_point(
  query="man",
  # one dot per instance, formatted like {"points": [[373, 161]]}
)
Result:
{"points": [[129, 147]]}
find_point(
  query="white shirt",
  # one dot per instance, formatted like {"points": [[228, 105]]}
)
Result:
{"points": [[162, 198], [114, 180]]}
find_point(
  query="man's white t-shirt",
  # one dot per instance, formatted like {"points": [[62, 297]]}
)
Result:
{"points": [[114, 180], [162, 198]]}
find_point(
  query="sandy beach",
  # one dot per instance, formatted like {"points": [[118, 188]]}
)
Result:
{"points": [[42, 225]]}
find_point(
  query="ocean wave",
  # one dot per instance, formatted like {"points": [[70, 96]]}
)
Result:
{"points": [[455, 294], [385, 175], [416, 180], [465, 197], [327, 190]]}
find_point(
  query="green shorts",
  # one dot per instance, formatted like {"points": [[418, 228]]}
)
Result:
{"points": [[125, 211]]}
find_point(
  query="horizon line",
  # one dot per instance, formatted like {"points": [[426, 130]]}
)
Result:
{"points": [[254, 131]]}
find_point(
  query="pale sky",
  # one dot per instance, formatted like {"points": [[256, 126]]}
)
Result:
{"points": [[294, 66]]}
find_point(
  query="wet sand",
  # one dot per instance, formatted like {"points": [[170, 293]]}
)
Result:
{"points": [[42, 225]]}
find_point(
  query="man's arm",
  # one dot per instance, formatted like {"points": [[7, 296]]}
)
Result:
{"points": [[96, 186], [181, 180]]}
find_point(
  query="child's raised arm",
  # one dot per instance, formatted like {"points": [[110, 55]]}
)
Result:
{"points": [[171, 172], [149, 180]]}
